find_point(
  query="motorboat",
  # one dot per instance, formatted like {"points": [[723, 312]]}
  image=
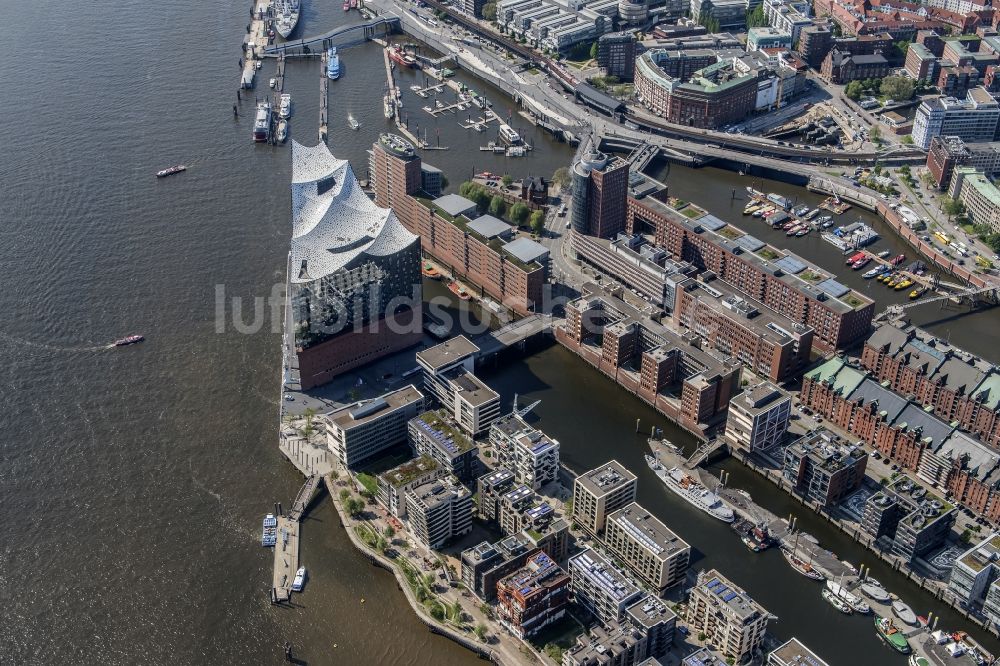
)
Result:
{"points": [[128, 340], [837, 602], [861, 263], [459, 291], [857, 256], [892, 637], [332, 63], [898, 259], [300, 580], [684, 485], [907, 282], [386, 106], [285, 106], [884, 254], [282, 132], [353, 123], [801, 566], [917, 293], [854, 601], [874, 272], [169, 171], [273, 82], [904, 613]]}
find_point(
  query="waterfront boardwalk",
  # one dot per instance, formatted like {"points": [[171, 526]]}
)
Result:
{"points": [[324, 90], [286, 550]]}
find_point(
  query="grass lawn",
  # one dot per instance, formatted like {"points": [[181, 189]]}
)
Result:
{"points": [[691, 212], [768, 253], [369, 482]]}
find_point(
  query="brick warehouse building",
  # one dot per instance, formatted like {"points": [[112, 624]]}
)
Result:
{"points": [[501, 270], [838, 316]]}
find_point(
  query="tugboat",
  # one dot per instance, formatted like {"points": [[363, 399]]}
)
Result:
{"points": [[169, 171], [891, 635], [129, 340]]}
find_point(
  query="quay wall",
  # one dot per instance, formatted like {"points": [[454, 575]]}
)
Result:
{"points": [[896, 221], [383, 562], [939, 591]]}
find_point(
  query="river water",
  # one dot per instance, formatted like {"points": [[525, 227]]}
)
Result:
{"points": [[134, 480]]}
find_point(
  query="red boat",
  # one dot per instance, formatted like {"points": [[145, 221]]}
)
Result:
{"points": [[861, 263], [459, 291], [857, 256], [354, 4], [347, 6], [397, 55], [129, 340], [896, 261]]}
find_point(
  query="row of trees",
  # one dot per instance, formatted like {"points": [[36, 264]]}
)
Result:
{"points": [[497, 206], [898, 88]]}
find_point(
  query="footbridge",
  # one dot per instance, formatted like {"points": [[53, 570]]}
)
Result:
{"points": [[975, 296], [337, 37]]}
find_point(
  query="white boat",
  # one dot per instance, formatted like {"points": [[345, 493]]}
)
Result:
{"points": [[300, 580], [282, 132], [695, 494], [837, 602], [332, 63], [353, 123], [918, 661], [855, 602], [273, 82], [285, 106], [286, 14], [262, 122], [904, 613], [875, 592], [386, 107]]}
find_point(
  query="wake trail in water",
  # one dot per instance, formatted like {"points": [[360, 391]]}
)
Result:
{"points": [[57, 348]]}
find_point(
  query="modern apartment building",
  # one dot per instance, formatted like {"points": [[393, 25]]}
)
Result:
{"points": [[908, 520], [651, 616], [511, 272], [732, 621], [973, 119], [613, 644], [600, 587], [599, 492], [824, 469], [714, 96], [349, 260], [980, 196], [658, 557], [439, 511], [758, 418], [531, 455], [948, 152], [485, 564], [533, 597], [782, 282], [794, 653], [393, 484], [815, 41], [434, 434], [975, 570], [768, 342], [363, 429], [448, 377], [490, 488]]}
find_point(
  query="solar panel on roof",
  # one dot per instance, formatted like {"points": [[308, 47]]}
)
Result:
{"points": [[729, 596], [720, 590]]}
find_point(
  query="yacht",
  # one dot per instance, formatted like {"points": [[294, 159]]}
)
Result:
{"points": [[353, 123], [855, 602], [128, 340], [300, 580], [285, 106], [262, 122], [287, 16], [332, 63], [386, 107], [695, 494], [282, 132]]}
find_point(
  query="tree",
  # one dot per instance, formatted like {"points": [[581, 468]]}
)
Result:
{"points": [[389, 531], [519, 214], [437, 611], [481, 631], [899, 88], [344, 494], [854, 90], [538, 222], [593, 51], [756, 18], [490, 11], [561, 177], [952, 207], [507, 180], [498, 207]]}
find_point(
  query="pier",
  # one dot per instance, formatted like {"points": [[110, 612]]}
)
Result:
{"points": [[255, 42], [343, 36], [286, 550], [324, 89]]}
